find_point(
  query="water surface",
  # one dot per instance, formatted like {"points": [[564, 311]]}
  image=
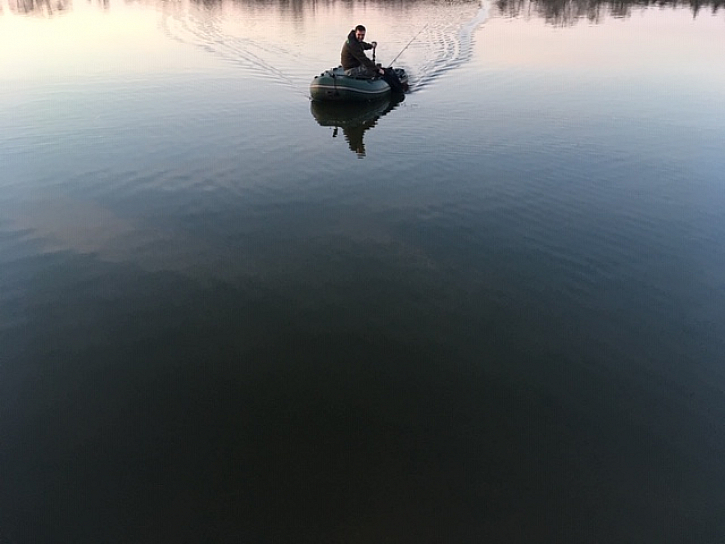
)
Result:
{"points": [[493, 311]]}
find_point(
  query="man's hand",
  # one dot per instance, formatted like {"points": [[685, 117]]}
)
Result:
{"points": [[374, 44]]}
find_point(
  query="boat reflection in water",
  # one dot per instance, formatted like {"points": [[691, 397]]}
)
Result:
{"points": [[354, 118]]}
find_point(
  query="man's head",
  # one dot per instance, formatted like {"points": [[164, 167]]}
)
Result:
{"points": [[360, 32]]}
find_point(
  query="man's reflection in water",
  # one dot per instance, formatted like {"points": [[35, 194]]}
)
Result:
{"points": [[354, 136], [353, 118]]}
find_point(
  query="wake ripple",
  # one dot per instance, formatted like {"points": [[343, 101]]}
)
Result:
{"points": [[447, 45], [255, 56]]}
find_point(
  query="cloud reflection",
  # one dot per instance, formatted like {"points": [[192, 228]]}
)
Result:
{"points": [[88, 228]]}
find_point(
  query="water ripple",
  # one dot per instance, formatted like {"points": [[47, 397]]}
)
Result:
{"points": [[447, 44], [261, 58]]}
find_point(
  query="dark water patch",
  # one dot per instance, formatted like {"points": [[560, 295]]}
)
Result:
{"points": [[356, 391]]}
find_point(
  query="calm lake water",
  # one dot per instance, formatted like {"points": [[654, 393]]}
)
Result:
{"points": [[491, 312]]}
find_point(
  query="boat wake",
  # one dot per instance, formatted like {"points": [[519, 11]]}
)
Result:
{"points": [[240, 33], [256, 55], [446, 44]]}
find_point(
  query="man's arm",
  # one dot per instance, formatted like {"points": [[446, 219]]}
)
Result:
{"points": [[359, 54]]}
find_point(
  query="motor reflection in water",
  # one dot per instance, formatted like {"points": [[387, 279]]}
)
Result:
{"points": [[354, 118]]}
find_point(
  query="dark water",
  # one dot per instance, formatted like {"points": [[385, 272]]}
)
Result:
{"points": [[492, 312]]}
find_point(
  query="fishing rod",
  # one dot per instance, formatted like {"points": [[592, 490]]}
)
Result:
{"points": [[406, 47]]}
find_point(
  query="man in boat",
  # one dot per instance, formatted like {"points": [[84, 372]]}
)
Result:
{"points": [[353, 58], [357, 64]]}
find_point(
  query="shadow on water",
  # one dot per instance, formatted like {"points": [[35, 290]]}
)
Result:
{"points": [[354, 118]]}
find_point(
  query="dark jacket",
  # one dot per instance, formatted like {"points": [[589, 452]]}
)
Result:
{"points": [[353, 53]]}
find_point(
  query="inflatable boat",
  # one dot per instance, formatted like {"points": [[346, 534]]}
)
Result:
{"points": [[334, 85]]}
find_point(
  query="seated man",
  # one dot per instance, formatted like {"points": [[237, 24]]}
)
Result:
{"points": [[353, 58]]}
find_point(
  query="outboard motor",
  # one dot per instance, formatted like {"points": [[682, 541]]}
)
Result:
{"points": [[391, 79]]}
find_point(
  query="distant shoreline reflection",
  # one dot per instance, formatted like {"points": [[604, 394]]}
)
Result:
{"points": [[354, 118], [557, 12], [569, 12]]}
